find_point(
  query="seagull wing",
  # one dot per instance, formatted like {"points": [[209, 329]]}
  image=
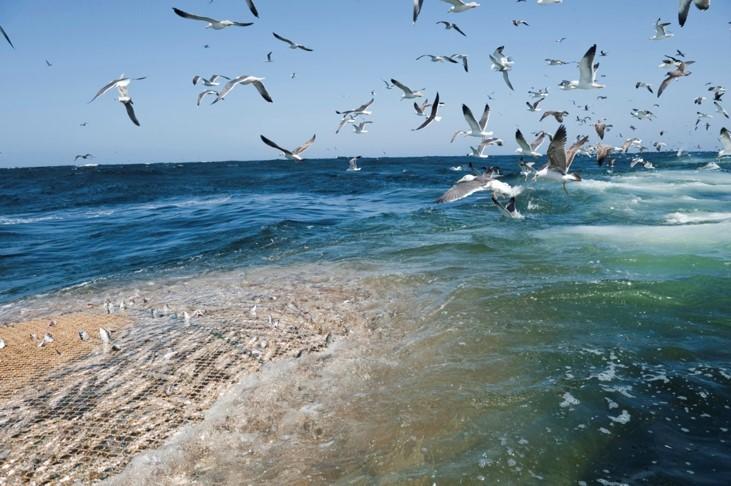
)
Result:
{"points": [[283, 39], [432, 115], [520, 140], [463, 189], [305, 145], [507, 80], [556, 150], [538, 141], [274, 145], [7, 38], [252, 7], [417, 9], [243, 24], [586, 66], [204, 94], [454, 26], [190, 16], [573, 150], [401, 86], [666, 82], [726, 139], [128, 105], [262, 90], [456, 3], [485, 117], [106, 88], [470, 118]]}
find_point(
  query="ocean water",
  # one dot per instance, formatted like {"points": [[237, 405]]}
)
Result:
{"points": [[588, 341]]}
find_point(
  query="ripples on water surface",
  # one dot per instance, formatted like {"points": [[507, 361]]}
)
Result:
{"points": [[589, 341]]}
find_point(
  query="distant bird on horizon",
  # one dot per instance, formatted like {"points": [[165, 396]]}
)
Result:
{"points": [[295, 154], [212, 23], [84, 156]]}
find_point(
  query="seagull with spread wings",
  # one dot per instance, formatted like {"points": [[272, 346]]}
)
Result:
{"points": [[292, 45], [295, 154], [559, 163], [212, 23], [587, 73]]}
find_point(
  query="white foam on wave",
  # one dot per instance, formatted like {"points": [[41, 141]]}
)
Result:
{"points": [[697, 217], [31, 220], [695, 235]]}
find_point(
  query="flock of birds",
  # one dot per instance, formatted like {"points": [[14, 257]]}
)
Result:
{"points": [[560, 158]]}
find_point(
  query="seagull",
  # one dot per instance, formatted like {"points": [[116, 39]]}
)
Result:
{"points": [[292, 45], [84, 156], [540, 93], [629, 143], [121, 81], [212, 23], [720, 109], [421, 109], [7, 38], [603, 53], [344, 121], [408, 92], [293, 154], [463, 58], [437, 58], [602, 152], [678, 73], [560, 159], [476, 129], [726, 141], [503, 64], [549, 2], [353, 164], [685, 7], [508, 210], [48, 63], [432, 116], [388, 85], [660, 33], [479, 151], [471, 184], [601, 127], [679, 53], [361, 110], [451, 26], [555, 62], [205, 93], [252, 7], [360, 128], [460, 6], [243, 79], [526, 168], [557, 115], [640, 84], [642, 114], [524, 148], [417, 9], [208, 82], [533, 107], [587, 73], [83, 124], [518, 23], [269, 56]]}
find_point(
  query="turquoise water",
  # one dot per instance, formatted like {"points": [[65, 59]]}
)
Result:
{"points": [[588, 341]]}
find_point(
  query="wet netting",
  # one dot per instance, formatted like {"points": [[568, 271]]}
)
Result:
{"points": [[78, 407]]}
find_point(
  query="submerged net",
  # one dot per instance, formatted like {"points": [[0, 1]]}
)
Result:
{"points": [[76, 410]]}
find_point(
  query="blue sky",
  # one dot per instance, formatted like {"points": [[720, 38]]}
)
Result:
{"points": [[356, 43]]}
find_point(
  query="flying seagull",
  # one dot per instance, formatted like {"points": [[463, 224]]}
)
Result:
{"points": [[353, 164], [640, 84], [460, 6], [471, 184], [417, 9], [361, 110], [519, 22], [122, 81], [124, 98], [602, 152], [560, 159], [360, 128], [205, 93], [555, 62], [451, 26], [434, 58], [601, 127], [293, 154], [269, 56], [685, 8], [464, 60], [678, 73], [587, 73], [408, 92], [432, 116], [509, 209], [212, 23], [208, 82], [477, 130], [524, 148], [726, 141], [533, 107], [292, 45], [252, 7], [84, 156], [7, 38], [557, 115], [660, 32], [502, 64], [243, 79]]}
